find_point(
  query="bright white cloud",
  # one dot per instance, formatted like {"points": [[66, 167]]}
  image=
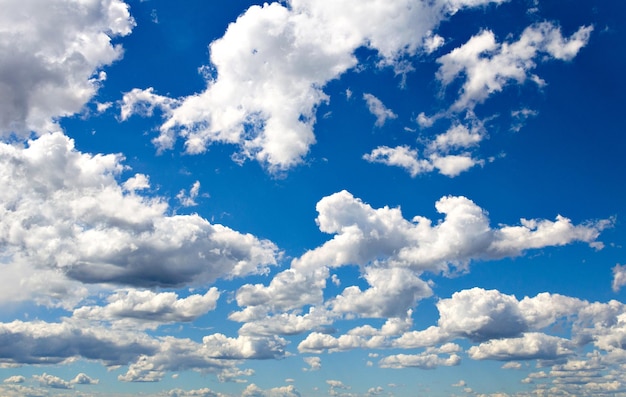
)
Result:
{"points": [[52, 381], [64, 217], [383, 237], [488, 66], [15, 379], [529, 346], [84, 379], [142, 308], [619, 277], [284, 391], [314, 363], [423, 361], [272, 63], [51, 58], [378, 109], [437, 153]]}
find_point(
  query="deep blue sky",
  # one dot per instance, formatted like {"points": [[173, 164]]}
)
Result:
{"points": [[312, 198]]}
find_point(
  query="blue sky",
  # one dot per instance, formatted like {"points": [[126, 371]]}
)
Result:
{"points": [[312, 198]]}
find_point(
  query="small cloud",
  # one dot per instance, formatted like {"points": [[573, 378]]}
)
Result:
{"points": [[378, 109], [15, 379], [619, 277]]}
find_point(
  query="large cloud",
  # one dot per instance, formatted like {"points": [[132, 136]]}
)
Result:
{"points": [[382, 236], [64, 214], [50, 57], [273, 62]]}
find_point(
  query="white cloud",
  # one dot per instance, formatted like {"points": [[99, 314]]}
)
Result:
{"points": [[142, 308], [378, 109], [84, 379], [424, 361], [619, 277], [215, 354], [50, 58], [364, 235], [481, 315], [144, 102], [400, 156], [189, 200], [436, 153], [529, 346], [65, 217], [272, 63], [314, 363], [52, 381], [392, 292], [488, 66], [15, 379], [205, 392], [284, 391]]}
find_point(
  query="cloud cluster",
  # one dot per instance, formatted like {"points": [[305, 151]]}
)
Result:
{"points": [[488, 66], [448, 153], [66, 217], [51, 58], [142, 308], [271, 65]]}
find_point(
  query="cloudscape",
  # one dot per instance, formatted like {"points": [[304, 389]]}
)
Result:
{"points": [[312, 198]]}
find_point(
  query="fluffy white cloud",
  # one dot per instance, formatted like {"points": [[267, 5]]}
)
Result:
{"points": [[437, 153], [215, 354], [50, 58], [529, 346], [619, 277], [488, 66], [400, 156], [392, 292], [142, 308], [206, 392], [272, 63], [284, 391], [64, 216], [15, 379], [378, 109], [52, 381], [314, 363], [382, 237], [425, 360], [84, 379], [481, 315]]}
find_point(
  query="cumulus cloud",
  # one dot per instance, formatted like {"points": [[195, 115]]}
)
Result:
{"points": [[216, 353], [284, 391], [378, 109], [426, 360], [271, 65], [66, 217], [189, 199], [314, 363], [52, 57], [364, 235], [15, 379], [529, 346], [84, 379], [488, 66], [143, 308], [205, 392], [51, 381]]}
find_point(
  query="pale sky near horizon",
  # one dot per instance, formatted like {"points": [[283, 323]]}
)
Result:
{"points": [[312, 198]]}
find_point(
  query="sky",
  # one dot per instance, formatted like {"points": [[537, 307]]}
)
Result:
{"points": [[312, 198]]}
